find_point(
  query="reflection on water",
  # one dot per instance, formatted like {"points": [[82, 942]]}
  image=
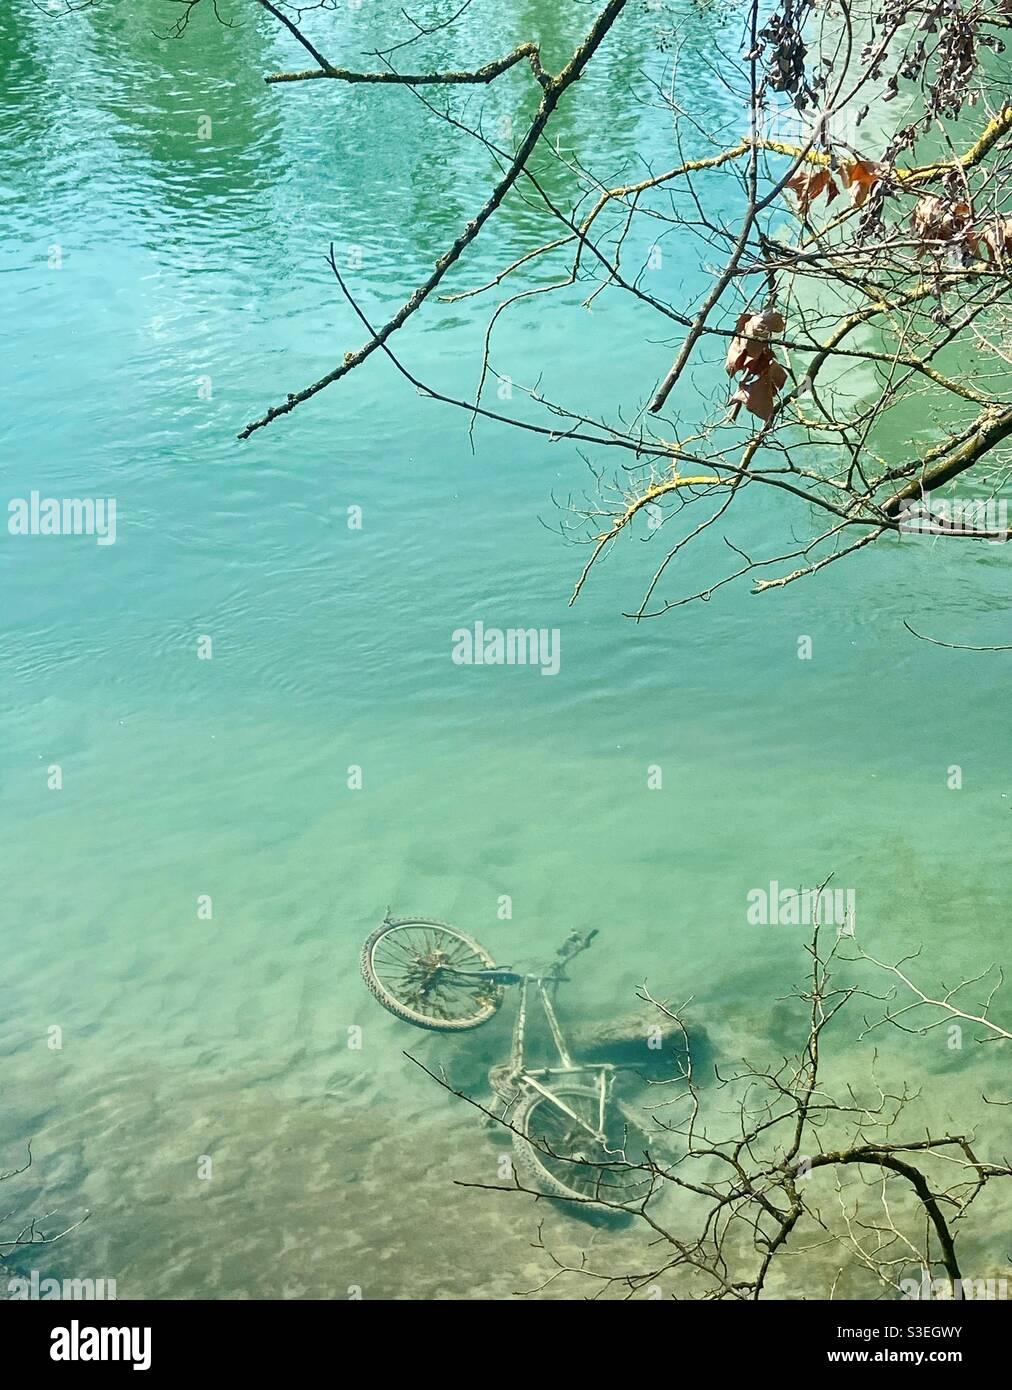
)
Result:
{"points": [[193, 291]]}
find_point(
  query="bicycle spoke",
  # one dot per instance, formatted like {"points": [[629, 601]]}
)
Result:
{"points": [[577, 1159], [429, 969]]}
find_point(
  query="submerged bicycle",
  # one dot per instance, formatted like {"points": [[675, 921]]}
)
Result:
{"points": [[570, 1135]]}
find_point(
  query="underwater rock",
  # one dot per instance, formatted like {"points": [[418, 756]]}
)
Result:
{"points": [[645, 1035]]}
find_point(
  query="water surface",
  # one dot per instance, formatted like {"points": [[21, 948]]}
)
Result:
{"points": [[193, 291]]}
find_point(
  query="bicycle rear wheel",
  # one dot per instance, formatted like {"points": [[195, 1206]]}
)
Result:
{"points": [[415, 967], [563, 1160]]}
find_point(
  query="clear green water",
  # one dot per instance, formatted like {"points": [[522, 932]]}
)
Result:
{"points": [[183, 259]]}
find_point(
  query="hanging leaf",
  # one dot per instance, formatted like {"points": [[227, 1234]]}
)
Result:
{"points": [[860, 176], [748, 344], [997, 239], [936, 220], [808, 184], [751, 357], [758, 393]]}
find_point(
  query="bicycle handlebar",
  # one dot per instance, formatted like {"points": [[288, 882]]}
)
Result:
{"points": [[574, 944]]}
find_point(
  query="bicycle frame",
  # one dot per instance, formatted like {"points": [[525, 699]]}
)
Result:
{"points": [[519, 1072], [537, 1078]]}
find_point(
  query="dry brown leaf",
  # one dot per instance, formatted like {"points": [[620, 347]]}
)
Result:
{"points": [[750, 334], [757, 393], [751, 356], [808, 184], [936, 220], [997, 239], [860, 176]]}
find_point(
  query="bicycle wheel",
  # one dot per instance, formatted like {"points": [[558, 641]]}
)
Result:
{"points": [[412, 965], [564, 1161]]}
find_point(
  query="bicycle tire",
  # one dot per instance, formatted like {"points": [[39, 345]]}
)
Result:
{"points": [[404, 1011], [531, 1159]]}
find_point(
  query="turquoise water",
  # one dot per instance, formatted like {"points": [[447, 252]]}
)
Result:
{"points": [[192, 292]]}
